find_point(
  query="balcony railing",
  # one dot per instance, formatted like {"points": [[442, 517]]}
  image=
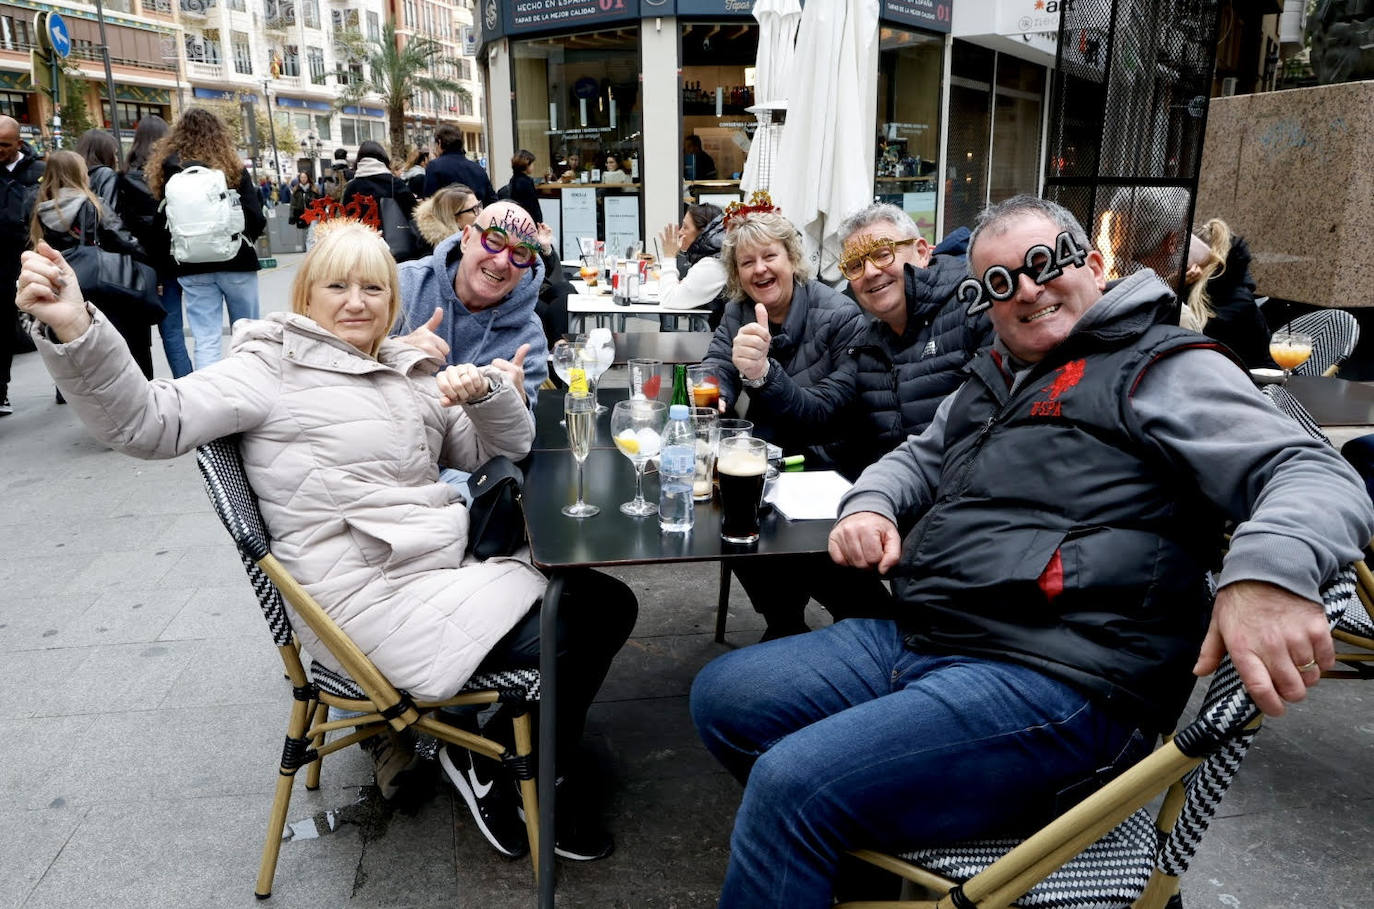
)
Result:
{"points": [[205, 70]]}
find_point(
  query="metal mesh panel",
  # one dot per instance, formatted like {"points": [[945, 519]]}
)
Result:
{"points": [[1127, 117]]}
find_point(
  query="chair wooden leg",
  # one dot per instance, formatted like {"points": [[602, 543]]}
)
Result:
{"points": [[293, 753], [722, 602], [524, 747], [312, 772]]}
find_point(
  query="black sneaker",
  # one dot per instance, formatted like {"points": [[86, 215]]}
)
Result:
{"points": [[5, 408], [487, 788], [577, 834]]}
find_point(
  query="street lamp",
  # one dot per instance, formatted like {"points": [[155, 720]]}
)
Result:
{"points": [[311, 146]]}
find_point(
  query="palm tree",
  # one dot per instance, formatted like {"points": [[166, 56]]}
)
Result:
{"points": [[396, 73]]}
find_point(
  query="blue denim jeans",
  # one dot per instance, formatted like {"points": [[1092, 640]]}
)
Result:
{"points": [[205, 296], [846, 738], [173, 329]]}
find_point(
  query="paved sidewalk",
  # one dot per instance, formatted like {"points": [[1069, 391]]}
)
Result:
{"points": [[145, 711]]}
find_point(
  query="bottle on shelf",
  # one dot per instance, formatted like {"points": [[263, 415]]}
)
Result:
{"points": [[676, 471]]}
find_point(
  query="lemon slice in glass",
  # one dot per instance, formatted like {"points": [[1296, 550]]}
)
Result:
{"points": [[628, 442]]}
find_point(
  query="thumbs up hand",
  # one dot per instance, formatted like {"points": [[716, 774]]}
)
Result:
{"points": [[750, 350], [514, 369], [425, 338]]}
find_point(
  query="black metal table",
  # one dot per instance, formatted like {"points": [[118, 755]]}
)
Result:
{"points": [[1333, 401], [548, 410], [559, 544]]}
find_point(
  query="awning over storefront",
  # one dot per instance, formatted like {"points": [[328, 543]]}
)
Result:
{"points": [[364, 111], [1026, 28], [305, 103], [138, 94], [216, 94]]}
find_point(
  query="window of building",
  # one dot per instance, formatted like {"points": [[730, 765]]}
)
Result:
{"points": [[714, 97], [203, 48], [310, 11], [322, 126], [465, 68], [14, 33], [355, 72], [995, 104], [291, 60], [577, 100], [910, 69], [315, 60], [356, 130], [344, 20], [279, 13], [158, 7], [243, 53], [238, 6], [374, 26], [465, 105], [16, 105], [120, 6]]}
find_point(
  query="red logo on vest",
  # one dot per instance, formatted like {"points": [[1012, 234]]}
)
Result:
{"points": [[1066, 377]]}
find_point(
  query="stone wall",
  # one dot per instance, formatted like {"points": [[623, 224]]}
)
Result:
{"points": [[1292, 172]]}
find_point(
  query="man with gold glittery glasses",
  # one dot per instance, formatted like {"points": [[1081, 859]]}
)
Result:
{"points": [[917, 338], [474, 300]]}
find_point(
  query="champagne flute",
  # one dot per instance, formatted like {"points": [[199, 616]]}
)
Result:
{"points": [[566, 357], [579, 411], [637, 428], [1290, 349]]}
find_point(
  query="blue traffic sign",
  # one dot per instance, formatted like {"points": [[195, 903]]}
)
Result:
{"points": [[58, 34]]}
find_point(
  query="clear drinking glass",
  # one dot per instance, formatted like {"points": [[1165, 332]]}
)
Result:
{"points": [[706, 423], [731, 427], [597, 355], [1290, 349], [743, 464], [579, 413], [704, 385], [637, 429], [646, 378]]}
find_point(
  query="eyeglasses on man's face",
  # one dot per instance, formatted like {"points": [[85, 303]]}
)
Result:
{"points": [[881, 255], [521, 253]]}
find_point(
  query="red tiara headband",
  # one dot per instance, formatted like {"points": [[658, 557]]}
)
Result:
{"points": [[361, 207], [759, 203]]}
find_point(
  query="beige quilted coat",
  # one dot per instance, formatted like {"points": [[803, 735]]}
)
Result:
{"points": [[342, 451]]}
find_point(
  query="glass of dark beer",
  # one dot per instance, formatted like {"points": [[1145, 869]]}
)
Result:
{"points": [[742, 464]]}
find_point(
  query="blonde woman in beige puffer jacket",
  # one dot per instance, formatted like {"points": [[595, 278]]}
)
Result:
{"points": [[343, 431]]}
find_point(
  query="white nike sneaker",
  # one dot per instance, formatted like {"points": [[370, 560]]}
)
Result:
{"points": [[488, 789]]}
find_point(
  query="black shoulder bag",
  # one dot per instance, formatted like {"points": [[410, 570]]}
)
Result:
{"points": [[496, 520]]}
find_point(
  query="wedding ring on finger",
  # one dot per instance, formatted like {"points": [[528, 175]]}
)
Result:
{"points": [[1308, 666]]}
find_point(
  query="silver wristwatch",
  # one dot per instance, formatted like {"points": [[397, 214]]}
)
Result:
{"points": [[761, 380]]}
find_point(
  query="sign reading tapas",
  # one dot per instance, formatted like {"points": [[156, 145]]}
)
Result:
{"points": [[534, 15], [928, 14]]}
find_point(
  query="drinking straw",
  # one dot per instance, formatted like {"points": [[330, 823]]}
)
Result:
{"points": [[658, 253]]}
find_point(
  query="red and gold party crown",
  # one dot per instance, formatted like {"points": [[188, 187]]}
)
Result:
{"points": [[360, 208], [759, 203]]}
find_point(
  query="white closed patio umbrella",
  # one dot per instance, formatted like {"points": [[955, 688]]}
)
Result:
{"points": [[778, 21], [824, 171]]}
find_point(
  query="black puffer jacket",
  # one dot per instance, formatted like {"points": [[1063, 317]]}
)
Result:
{"points": [[135, 205], [902, 379], [105, 184], [810, 376], [1238, 322]]}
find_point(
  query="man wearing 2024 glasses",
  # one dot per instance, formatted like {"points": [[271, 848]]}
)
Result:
{"points": [[1050, 531], [474, 299], [918, 336]]}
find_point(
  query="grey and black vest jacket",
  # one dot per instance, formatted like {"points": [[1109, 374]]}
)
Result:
{"points": [[1061, 537]]}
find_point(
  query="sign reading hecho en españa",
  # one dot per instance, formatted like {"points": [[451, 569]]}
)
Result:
{"points": [[535, 15]]}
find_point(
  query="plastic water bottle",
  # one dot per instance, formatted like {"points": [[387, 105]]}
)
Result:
{"points": [[676, 471]]}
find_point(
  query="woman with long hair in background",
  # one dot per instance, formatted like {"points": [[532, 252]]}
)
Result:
{"points": [[199, 137]]}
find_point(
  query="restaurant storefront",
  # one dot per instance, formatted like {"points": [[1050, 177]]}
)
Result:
{"points": [[665, 87]]}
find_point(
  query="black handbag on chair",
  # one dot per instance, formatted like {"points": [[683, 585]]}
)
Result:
{"points": [[496, 519]]}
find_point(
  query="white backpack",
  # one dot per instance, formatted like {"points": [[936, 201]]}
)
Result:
{"points": [[204, 216]]}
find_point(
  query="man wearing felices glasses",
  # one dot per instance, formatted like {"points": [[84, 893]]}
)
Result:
{"points": [[474, 300], [918, 336]]}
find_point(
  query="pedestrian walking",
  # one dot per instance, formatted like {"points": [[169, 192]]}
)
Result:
{"points": [[20, 171], [210, 279], [137, 208]]}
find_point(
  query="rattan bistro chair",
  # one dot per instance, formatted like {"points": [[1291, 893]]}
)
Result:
{"points": [[1107, 852], [1334, 333], [364, 689]]}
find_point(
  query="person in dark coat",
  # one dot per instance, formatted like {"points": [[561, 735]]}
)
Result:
{"points": [[1236, 319], [20, 171], [521, 185], [374, 179], [67, 214], [100, 151], [137, 208], [303, 192], [784, 343], [917, 338], [452, 165]]}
